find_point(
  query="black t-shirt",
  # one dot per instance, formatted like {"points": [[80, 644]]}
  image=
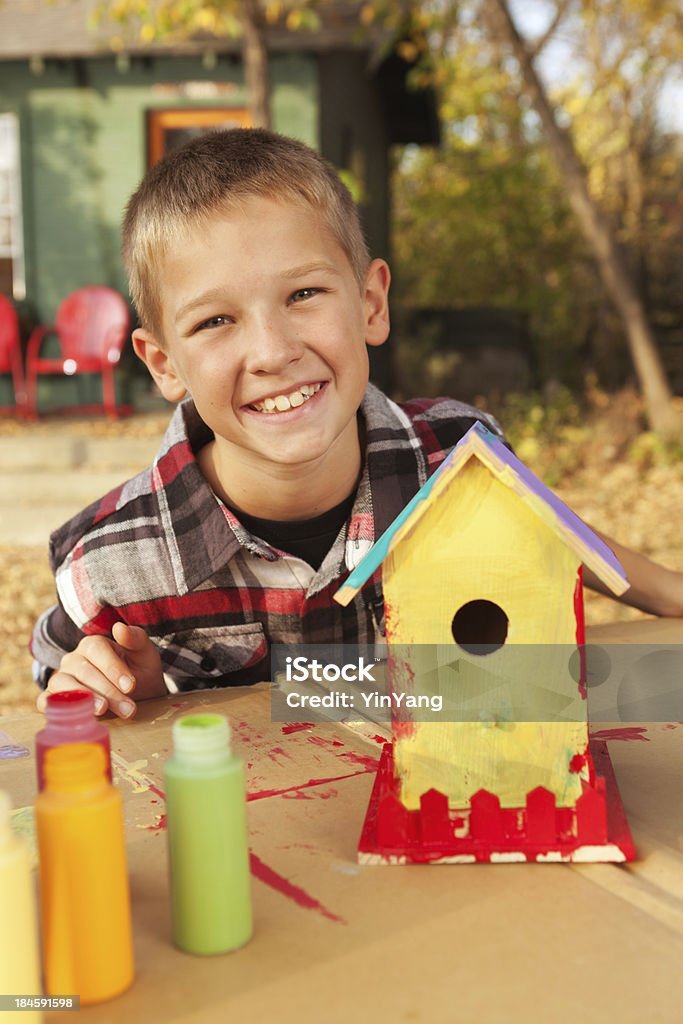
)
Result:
{"points": [[309, 539]]}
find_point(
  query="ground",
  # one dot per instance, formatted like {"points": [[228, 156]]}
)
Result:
{"points": [[597, 457]]}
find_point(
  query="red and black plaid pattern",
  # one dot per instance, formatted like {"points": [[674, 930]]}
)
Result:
{"points": [[162, 551]]}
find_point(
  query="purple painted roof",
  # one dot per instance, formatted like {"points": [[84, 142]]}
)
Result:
{"points": [[536, 486]]}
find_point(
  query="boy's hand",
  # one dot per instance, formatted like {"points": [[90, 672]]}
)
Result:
{"points": [[113, 669]]}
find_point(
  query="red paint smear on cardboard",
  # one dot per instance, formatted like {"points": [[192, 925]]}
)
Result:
{"points": [[631, 732], [262, 794], [293, 892], [577, 763], [321, 741], [277, 752], [296, 727], [160, 825], [371, 764], [247, 731]]}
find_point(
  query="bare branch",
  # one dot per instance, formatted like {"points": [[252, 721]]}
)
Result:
{"points": [[539, 44]]}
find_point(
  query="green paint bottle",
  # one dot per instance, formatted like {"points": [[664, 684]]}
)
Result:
{"points": [[207, 838]]}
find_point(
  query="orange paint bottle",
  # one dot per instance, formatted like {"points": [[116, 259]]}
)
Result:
{"points": [[84, 895]]}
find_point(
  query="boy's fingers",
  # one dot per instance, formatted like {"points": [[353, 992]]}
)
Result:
{"points": [[100, 652], [133, 638], [136, 646], [101, 674], [106, 696], [60, 682], [142, 656], [41, 702]]}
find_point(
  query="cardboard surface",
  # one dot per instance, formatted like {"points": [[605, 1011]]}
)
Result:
{"points": [[336, 941]]}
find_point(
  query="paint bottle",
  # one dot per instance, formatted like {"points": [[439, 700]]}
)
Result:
{"points": [[70, 719], [19, 958], [207, 838], [84, 896]]}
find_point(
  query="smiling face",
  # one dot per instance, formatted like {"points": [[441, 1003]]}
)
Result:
{"points": [[265, 325]]}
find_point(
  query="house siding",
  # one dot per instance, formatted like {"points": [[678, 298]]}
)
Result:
{"points": [[83, 151]]}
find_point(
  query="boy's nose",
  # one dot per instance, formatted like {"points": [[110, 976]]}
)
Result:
{"points": [[272, 348]]}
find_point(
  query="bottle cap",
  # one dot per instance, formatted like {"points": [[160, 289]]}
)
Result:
{"points": [[66, 698], [70, 706], [74, 766], [201, 737]]}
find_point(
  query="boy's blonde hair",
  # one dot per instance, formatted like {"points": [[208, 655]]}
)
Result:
{"points": [[216, 171]]}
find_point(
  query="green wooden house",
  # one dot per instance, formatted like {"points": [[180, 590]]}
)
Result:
{"points": [[80, 123]]}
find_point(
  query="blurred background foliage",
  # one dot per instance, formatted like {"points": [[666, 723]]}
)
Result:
{"points": [[484, 221], [488, 221]]}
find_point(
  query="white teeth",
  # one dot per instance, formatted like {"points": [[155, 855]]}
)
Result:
{"points": [[281, 403]]}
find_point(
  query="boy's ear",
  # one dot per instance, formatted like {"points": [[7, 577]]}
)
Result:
{"points": [[376, 302], [159, 364]]}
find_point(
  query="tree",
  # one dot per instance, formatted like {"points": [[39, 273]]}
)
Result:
{"points": [[169, 20], [482, 221], [612, 265]]}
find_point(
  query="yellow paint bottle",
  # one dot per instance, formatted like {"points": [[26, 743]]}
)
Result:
{"points": [[84, 894], [19, 961]]}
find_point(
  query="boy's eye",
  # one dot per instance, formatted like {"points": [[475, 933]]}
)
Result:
{"points": [[304, 293], [213, 321]]}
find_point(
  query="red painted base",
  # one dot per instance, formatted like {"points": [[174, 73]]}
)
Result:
{"points": [[595, 829]]}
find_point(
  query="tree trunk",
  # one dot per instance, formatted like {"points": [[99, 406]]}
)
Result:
{"points": [[612, 266], [255, 56]]}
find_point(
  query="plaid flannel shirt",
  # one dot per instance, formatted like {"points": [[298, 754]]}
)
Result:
{"points": [[163, 552]]}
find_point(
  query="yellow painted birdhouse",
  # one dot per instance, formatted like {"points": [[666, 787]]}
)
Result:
{"points": [[481, 576]]}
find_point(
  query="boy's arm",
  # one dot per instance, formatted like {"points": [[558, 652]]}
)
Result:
{"points": [[654, 589], [114, 669]]}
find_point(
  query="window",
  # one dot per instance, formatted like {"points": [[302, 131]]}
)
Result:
{"points": [[12, 278], [169, 128]]}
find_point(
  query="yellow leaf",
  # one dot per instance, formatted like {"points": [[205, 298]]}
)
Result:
{"points": [[205, 18], [408, 51], [272, 11], [367, 14]]}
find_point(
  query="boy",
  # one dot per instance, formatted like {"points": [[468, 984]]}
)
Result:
{"points": [[257, 298]]}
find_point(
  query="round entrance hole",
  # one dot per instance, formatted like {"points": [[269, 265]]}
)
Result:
{"points": [[480, 627]]}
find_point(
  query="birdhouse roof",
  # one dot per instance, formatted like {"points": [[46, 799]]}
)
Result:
{"points": [[480, 443]]}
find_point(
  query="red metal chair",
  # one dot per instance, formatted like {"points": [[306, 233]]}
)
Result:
{"points": [[10, 354], [92, 326]]}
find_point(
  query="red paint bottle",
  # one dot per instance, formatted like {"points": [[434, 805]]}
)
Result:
{"points": [[70, 719]]}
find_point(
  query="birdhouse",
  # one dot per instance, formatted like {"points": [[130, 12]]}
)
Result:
{"points": [[481, 574]]}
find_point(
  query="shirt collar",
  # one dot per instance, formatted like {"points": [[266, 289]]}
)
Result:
{"points": [[198, 537], [202, 538]]}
